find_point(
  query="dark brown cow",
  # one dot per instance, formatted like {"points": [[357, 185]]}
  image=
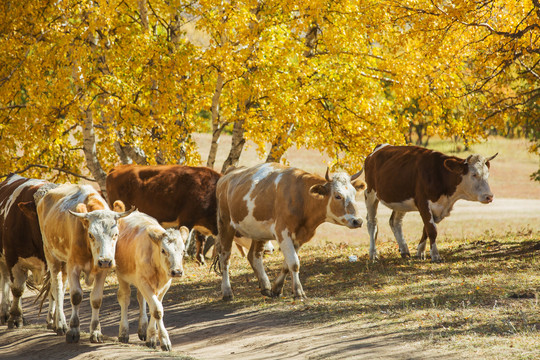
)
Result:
{"points": [[174, 195], [272, 201], [21, 244], [411, 178]]}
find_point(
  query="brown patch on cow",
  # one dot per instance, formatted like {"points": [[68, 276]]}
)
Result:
{"points": [[157, 314], [264, 199], [28, 208], [96, 304], [76, 297], [74, 322]]}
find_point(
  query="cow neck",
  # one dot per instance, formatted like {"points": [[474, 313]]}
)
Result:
{"points": [[315, 210]]}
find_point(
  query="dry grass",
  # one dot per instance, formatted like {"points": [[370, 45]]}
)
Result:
{"points": [[482, 301]]}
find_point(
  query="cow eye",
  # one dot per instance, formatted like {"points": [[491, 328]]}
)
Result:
{"points": [[163, 251], [338, 197]]}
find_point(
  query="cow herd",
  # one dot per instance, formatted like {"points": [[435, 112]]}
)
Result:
{"points": [[70, 230]]}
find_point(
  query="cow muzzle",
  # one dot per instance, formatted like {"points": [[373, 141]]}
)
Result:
{"points": [[105, 263], [177, 273], [486, 199], [355, 223]]}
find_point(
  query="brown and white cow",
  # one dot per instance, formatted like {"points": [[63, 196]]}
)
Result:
{"points": [[412, 178], [21, 246], [79, 235], [273, 201], [175, 195], [147, 256]]}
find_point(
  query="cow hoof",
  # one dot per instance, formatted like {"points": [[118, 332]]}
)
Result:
{"points": [[228, 297], [166, 347], [50, 326], [73, 336], [436, 261], [124, 339], [405, 255], [276, 294], [300, 297], [151, 344], [142, 336], [267, 292], [25, 322], [96, 338]]}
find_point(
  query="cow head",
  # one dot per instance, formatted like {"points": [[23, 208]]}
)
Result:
{"points": [[101, 231], [171, 244], [474, 172], [341, 191]]}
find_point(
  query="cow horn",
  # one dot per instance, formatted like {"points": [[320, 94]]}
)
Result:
{"points": [[357, 175], [78, 214], [327, 177], [467, 159], [125, 213], [492, 157]]}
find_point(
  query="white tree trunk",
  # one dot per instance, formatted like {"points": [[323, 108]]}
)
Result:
{"points": [[217, 127], [90, 153]]}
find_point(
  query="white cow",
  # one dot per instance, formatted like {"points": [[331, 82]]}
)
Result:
{"points": [[79, 235]]}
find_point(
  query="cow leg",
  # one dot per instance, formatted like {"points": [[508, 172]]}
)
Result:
{"points": [[372, 204], [225, 239], [96, 298], [255, 258], [51, 311], [74, 333], [156, 318], [200, 239], [396, 221], [143, 318], [124, 293], [57, 292], [280, 280], [18, 285], [291, 258], [431, 229], [4, 288], [421, 251]]}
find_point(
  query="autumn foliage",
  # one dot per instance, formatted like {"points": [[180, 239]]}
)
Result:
{"points": [[86, 85]]}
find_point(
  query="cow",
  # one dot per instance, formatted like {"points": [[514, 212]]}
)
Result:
{"points": [[147, 256], [175, 195], [21, 246], [412, 178], [273, 201], [79, 235]]}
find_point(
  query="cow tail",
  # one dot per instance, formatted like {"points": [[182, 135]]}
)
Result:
{"points": [[44, 291]]}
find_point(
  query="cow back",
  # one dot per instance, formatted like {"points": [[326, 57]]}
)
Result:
{"points": [[399, 173], [168, 193]]}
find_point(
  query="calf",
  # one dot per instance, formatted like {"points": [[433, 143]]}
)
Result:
{"points": [[147, 256], [21, 246], [411, 178], [79, 235], [272, 201]]}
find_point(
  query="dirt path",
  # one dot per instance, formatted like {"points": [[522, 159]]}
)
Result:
{"points": [[225, 331]]}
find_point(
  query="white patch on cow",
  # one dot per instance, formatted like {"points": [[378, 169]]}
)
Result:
{"points": [[379, 148], [249, 226], [278, 179], [403, 206], [6, 207]]}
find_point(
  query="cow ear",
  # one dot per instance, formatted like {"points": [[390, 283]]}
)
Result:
{"points": [[81, 212], [358, 184], [155, 233], [184, 232], [119, 206], [319, 191], [455, 166], [28, 208]]}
